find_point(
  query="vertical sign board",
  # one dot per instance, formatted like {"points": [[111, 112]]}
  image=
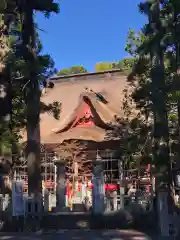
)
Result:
{"points": [[17, 199], [115, 205], [83, 192], [98, 189], [46, 200], [163, 213], [61, 186]]}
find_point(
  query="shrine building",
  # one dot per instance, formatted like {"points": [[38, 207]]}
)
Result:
{"points": [[90, 105]]}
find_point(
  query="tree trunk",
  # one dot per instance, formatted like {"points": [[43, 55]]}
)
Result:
{"points": [[33, 103], [177, 45], [33, 144], [161, 130]]}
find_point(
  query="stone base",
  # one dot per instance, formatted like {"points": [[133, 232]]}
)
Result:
{"points": [[77, 220]]}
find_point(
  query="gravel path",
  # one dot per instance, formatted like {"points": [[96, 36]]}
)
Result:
{"points": [[78, 235]]}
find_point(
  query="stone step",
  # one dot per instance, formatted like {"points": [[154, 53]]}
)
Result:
{"points": [[79, 220]]}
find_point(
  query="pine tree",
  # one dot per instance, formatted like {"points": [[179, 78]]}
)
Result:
{"points": [[24, 10]]}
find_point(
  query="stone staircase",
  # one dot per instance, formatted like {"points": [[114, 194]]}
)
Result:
{"points": [[85, 220]]}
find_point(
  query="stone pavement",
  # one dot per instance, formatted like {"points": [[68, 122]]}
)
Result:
{"points": [[78, 235]]}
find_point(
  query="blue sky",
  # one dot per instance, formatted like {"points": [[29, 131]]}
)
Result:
{"points": [[89, 31]]}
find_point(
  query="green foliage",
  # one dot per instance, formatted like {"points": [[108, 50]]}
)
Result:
{"points": [[20, 73], [154, 84], [71, 70], [124, 65], [5, 139], [103, 66], [147, 135], [13, 6]]}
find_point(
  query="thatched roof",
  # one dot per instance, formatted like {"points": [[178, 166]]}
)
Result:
{"points": [[103, 113], [71, 92], [82, 133]]}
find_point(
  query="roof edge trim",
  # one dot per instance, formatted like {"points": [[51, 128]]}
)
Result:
{"points": [[88, 74]]}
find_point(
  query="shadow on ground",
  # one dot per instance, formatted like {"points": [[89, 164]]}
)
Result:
{"points": [[131, 218], [80, 235]]}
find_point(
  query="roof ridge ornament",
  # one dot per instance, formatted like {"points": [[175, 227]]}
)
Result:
{"points": [[98, 95]]}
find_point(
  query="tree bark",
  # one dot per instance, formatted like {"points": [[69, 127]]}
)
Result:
{"points": [[177, 79], [33, 103], [161, 130]]}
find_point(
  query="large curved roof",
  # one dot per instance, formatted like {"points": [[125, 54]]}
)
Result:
{"points": [[92, 133], [70, 92]]}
